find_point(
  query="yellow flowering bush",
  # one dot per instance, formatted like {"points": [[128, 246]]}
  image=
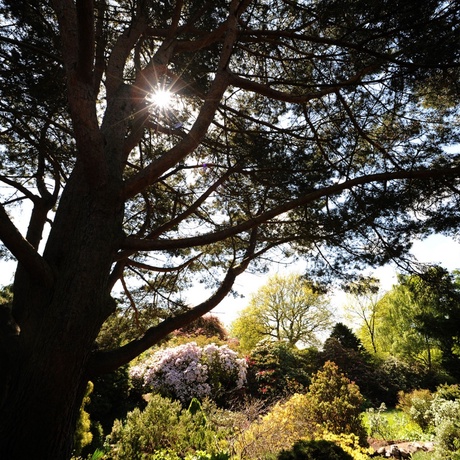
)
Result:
{"points": [[300, 417]]}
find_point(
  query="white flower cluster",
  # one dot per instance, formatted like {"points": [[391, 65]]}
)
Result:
{"points": [[189, 371]]}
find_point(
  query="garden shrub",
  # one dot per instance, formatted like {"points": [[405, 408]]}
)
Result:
{"points": [[283, 425], [397, 376], [112, 398], [314, 450], [446, 421], [417, 405], [164, 426], [439, 414], [359, 367], [335, 402], [448, 392], [377, 424], [277, 370], [189, 371], [350, 443]]}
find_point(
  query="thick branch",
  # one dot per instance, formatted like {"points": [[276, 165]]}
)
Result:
{"points": [[152, 172], [209, 238], [85, 18], [267, 91], [24, 252], [103, 362], [81, 95]]}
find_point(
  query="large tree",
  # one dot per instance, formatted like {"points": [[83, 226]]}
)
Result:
{"points": [[287, 309], [317, 123], [363, 297], [419, 319]]}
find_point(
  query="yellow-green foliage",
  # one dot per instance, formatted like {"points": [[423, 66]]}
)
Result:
{"points": [[348, 442], [279, 429], [332, 404], [83, 435]]}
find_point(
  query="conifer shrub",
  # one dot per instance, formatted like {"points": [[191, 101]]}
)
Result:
{"points": [[314, 450], [335, 403]]}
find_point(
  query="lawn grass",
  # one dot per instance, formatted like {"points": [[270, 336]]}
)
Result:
{"points": [[392, 425]]}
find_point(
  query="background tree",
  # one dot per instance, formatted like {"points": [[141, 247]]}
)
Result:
{"points": [[364, 296], [397, 333], [412, 316], [248, 329], [419, 320], [315, 124], [287, 308], [436, 296]]}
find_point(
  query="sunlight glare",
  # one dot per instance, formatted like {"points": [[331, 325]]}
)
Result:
{"points": [[161, 98]]}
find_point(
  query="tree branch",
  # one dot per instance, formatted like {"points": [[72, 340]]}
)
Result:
{"points": [[271, 93], [86, 33], [205, 117], [107, 361], [24, 252], [209, 238]]}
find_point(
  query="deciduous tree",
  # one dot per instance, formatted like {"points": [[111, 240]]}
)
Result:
{"points": [[286, 309], [312, 123], [364, 296], [420, 319]]}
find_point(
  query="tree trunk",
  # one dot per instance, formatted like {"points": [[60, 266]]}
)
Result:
{"points": [[59, 323]]}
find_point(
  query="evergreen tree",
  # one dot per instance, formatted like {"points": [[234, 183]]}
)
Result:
{"points": [[319, 125]]}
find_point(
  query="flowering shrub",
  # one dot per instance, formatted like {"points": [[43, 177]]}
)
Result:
{"points": [[189, 371]]}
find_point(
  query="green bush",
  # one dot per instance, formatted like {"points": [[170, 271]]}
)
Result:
{"points": [[336, 403], [417, 405], [164, 428], [277, 370], [314, 450]]}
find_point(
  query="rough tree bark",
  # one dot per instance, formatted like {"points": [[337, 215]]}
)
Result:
{"points": [[60, 319]]}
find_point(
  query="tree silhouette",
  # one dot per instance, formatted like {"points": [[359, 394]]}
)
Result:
{"points": [[316, 124]]}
